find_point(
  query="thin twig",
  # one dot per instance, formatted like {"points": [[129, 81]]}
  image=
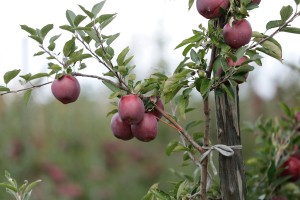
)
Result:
{"points": [[276, 31], [24, 89]]}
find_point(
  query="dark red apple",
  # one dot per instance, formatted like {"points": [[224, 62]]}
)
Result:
{"points": [[237, 34], [291, 168], [119, 128], [211, 8], [155, 112], [146, 130], [66, 89], [131, 109]]}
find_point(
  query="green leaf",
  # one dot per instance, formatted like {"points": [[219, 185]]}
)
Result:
{"points": [[69, 47], [88, 13], [291, 30], [67, 28], [122, 55], [228, 90], [38, 75], [45, 30], [240, 52], [112, 38], [192, 39], [78, 19], [94, 35], [37, 38], [97, 8], [286, 109], [194, 56], [8, 76], [27, 96], [51, 46], [274, 24], [70, 17], [272, 48], [111, 86], [187, 49], [107, 21], [4, 89], [31, 185], [286, 12], [193, 124], [297, 2], [203, 86], [171, 146], [191, 2], [79, 58], [28, 29], [161, 195], [39, 53]]}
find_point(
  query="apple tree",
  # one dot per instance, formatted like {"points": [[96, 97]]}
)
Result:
{"points": [[217, 58]]}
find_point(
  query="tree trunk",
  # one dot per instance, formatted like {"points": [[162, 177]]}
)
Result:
{"points": [[231, 169]]}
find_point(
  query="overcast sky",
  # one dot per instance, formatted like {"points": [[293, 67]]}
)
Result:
{"points": [[139, 22]]}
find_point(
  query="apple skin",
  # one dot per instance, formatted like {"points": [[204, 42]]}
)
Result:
{"points": [[237, 35], [211, 8], [120, 129], [155, 112], [131, 109], [146, 130], [66, 89], [291, 168]]}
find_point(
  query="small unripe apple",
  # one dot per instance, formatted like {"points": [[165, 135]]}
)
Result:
{"points": [[119, 128], [66, 89], [146, 130], [131, 109], [237, 34], [291, 168], [211, 8], [155, 112]]}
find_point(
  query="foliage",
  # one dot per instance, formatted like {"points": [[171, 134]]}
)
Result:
{"points": [[196, 72], [22, 192]]}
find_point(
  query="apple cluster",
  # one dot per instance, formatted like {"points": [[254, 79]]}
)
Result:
{"points": [[132, 120], [236, 33]]}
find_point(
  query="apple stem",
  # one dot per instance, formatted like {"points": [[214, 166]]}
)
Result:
{"points": [[179, 128]]}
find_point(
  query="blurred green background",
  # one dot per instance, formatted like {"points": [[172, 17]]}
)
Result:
{"points": [[71, 148]]}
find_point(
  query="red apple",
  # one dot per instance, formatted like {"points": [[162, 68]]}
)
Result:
{"points": [[146, 130], [119, 128], [155, 112], [66, 89], [237, 34], [131, 109], [211, 8], [291, 168], [231, 63]]}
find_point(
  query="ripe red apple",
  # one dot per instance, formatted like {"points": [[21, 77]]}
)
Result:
{"points": [[211, 8], [146, 130], [237, 34], [119, 128], [291, 168], [155, 112], [131, 109], [66, 89]]}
